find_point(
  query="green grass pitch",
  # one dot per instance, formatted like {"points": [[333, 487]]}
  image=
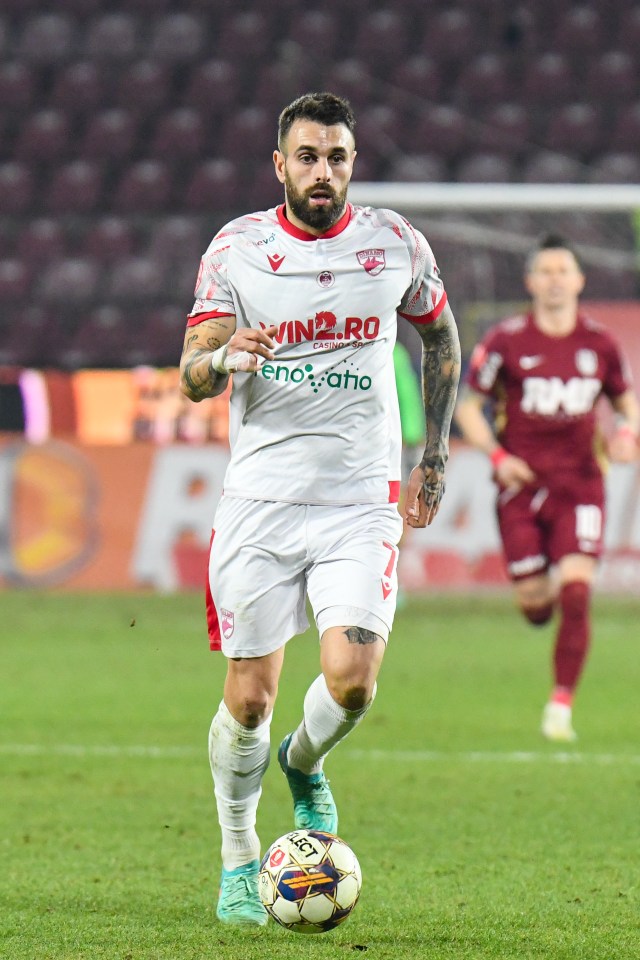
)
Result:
{"points": [[476, 838]]}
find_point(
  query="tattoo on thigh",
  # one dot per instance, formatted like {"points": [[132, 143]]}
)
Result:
{"points": [[360, 635]]}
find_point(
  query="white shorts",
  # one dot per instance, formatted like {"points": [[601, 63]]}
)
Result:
{"points": [[267, 558]]}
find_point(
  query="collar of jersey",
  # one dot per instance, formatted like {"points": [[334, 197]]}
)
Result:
{"points": [[303, 235], [580, 322]]}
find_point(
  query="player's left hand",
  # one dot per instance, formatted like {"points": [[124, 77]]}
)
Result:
{"points": [[623, 446], [424, 493]]}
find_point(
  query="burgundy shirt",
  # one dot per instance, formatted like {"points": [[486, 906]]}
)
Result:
{"points": [[545, 391]]}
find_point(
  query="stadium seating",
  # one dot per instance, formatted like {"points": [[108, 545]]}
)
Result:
{"points": [[29, 336], [352, 78], [381, 39], [178, 38], [47, 39], [625, 134], [41, 240], [110, 135], [485, 168], [110, 239], [440, 127], [15, 279], [17, 188], [615, 168], [628, 33], [213, 86], [548, 78], [247, 132], [507, 129], [574, 128], [80, 88], [144, 87], [579, 30], [418, 167], [112, 38], [99, 341], [179, 135], [549, 167], [612, 78], [415, 79], [75, 188], [72, 281], [485, 79], [320, 26], [213, 185], [17, 85], [453, 34], [144, 188], [44, 137], [176, 239], [131, 132], [245, 37]]}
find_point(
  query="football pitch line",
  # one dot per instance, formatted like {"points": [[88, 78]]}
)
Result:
{"points": [[149, 751]]}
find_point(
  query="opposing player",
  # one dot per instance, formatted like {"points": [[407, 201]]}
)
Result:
{"points": [[300, 304], [543, 373]]}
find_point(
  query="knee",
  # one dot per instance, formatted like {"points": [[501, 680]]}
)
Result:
{"points": [[251, 708], [537, 614], [255, 711], [535, 599], [349, 693]]}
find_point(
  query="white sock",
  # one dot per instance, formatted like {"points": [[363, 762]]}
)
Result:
{"points": [[239, 757], [325, 724]]}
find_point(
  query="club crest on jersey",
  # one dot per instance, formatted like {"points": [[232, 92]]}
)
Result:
{"points": [[226, 623], [326, 279], [586, 362], [372, 260]]}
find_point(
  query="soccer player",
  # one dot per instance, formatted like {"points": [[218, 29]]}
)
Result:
{"points": [[542, 374], [300, 304]]}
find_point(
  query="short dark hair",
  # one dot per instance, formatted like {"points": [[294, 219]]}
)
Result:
{"points": [[551, 241], [325, 108]]}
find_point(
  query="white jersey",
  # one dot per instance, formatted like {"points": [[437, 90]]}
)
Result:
{"points": [[320, 423]]}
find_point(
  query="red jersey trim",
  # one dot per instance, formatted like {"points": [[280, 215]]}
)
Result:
{"points": [[394, 491], [428, 317], [213, 624], [299, 234], [199, 317]]}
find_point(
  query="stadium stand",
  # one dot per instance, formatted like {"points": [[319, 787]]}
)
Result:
{"points": [[130, 132]]}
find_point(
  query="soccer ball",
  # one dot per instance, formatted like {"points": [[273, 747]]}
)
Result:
{"points": [[309, 881]]}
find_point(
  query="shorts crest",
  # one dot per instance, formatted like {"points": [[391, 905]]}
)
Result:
{"points": [[227, 623]]}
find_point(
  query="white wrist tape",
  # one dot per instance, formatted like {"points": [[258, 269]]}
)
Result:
{"points": [[218, 358], [241, 360]]}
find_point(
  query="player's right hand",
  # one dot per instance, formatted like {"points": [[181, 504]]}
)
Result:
{"points": [[514, 473], [247, 350]]}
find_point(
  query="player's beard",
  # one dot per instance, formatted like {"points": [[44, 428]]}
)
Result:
{"points": [[318, 218]]}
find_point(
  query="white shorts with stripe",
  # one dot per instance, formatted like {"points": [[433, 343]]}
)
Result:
{"points": [[267, 558]]}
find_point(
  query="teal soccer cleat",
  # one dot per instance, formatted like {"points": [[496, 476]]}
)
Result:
{"points": [[239, 901], [313, 805]]}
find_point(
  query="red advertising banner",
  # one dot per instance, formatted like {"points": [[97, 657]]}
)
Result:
{"points": [[81, 517], [128, 502]]}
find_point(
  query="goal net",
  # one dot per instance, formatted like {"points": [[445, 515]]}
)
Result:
{"points": [[480, 234]]}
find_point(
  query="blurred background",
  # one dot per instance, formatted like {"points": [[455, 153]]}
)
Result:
{"points": [[131, 132]]}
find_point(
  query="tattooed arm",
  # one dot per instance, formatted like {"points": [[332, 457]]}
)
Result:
{"points": [[214, 348], [440, 376]]}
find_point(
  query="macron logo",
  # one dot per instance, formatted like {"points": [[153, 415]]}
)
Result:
{"points": [[276, 261]]}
